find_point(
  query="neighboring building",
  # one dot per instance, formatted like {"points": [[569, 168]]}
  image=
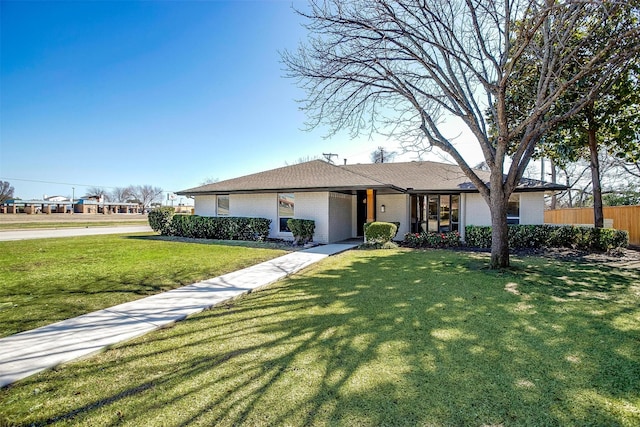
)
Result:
{"points": [[64, 205], [421, 196], [55, 198]]}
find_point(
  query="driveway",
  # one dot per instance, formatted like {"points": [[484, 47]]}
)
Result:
{"points": [[70, 232]]}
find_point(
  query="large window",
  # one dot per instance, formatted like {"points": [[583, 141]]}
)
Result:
{"points": [[223, 205], [513, 209], [435, 212], [286, 209]]}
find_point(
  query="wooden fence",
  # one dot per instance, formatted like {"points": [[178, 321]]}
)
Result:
{"points": [[624, 218]]}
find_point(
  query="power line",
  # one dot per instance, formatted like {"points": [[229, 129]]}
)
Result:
{"points": [[53, 182]]}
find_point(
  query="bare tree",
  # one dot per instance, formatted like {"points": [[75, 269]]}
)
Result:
{"points": [[403, 67], [98, 192], [145, 194], [120, 194], [209, 180], [6, 191], [381, 155], [303, 159]]}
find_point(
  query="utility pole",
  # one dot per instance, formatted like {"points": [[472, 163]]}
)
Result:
{"points": [[329, 156]]}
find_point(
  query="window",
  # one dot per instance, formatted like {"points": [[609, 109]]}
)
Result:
{"points": [[223, 205], [513, 209], [435, 212], [286, 209]]}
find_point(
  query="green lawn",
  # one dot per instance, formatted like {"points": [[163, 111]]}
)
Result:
{"points": [[372, 338], [79, 224], [46, 280]]}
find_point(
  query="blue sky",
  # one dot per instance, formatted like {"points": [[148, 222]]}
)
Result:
{"points": [[167, 93]]}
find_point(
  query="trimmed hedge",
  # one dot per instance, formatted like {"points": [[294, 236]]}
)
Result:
{"points": [[551, 236], [432, 240], [302, 230], [160, 220], [380, 232], [201, 227]]}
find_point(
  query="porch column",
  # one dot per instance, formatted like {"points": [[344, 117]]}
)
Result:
{"points": [[371, 205]]}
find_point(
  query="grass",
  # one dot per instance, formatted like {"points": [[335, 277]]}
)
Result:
{"points": [[47, 280], [374, 338], [54, 224], [27, 222]]}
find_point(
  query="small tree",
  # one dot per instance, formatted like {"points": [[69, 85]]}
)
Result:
{"points": [[6, 191]]}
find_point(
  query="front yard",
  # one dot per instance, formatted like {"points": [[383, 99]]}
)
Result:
{"points": [[374, 338], [46, 280]]}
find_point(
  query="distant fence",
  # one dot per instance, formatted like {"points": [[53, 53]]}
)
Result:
{"points": [[624, 218]]}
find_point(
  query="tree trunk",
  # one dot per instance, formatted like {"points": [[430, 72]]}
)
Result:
{"points": [[499, 231], [598, 213]]}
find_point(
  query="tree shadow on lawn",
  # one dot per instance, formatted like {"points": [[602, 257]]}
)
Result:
{"points": [[401, 338], [95, 292], [286, 246]]}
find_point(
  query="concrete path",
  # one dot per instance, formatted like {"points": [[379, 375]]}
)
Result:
{"points": [[43, 233], [32, 351]]}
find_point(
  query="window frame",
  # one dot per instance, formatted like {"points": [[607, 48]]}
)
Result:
{"points": [[218, 212], [511, 218], [428, 220], [282, 215]]}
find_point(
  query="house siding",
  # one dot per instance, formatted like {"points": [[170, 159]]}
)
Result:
{"points": [[476, 210], [531, 209], [205, 205], [256, 206], [314, 206], [396, 210], [340, 217]]}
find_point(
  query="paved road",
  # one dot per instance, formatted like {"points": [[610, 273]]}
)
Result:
{"points": [[70, 232]]}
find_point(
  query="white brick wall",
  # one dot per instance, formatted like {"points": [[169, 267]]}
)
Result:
{"points": [[531, 209], [205, 205], [396, 210], [314, 206], [256, 206], [476, 211], [340, 214]]}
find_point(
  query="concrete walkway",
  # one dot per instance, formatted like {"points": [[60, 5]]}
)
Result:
{"points": [[7, 235], [32, 351]]}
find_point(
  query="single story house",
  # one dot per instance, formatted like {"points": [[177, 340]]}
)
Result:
{"points": [[421, 196]]}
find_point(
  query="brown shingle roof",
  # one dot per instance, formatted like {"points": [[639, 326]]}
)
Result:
{"points": [[316, 174], [420, 176], [319, 175]]}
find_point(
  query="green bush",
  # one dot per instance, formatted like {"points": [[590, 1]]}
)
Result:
{"points": [[380, 232], [432, 240], [302, 230], [160, 220], [222, 228], [477, 236], [552, 236]]}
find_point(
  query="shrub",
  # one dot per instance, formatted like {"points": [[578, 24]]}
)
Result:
{"points": [[477, 236], [379, 245], [380, 232], [302, 230], [160, 220], [552, 236], [223, 228], [432, 240]]}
